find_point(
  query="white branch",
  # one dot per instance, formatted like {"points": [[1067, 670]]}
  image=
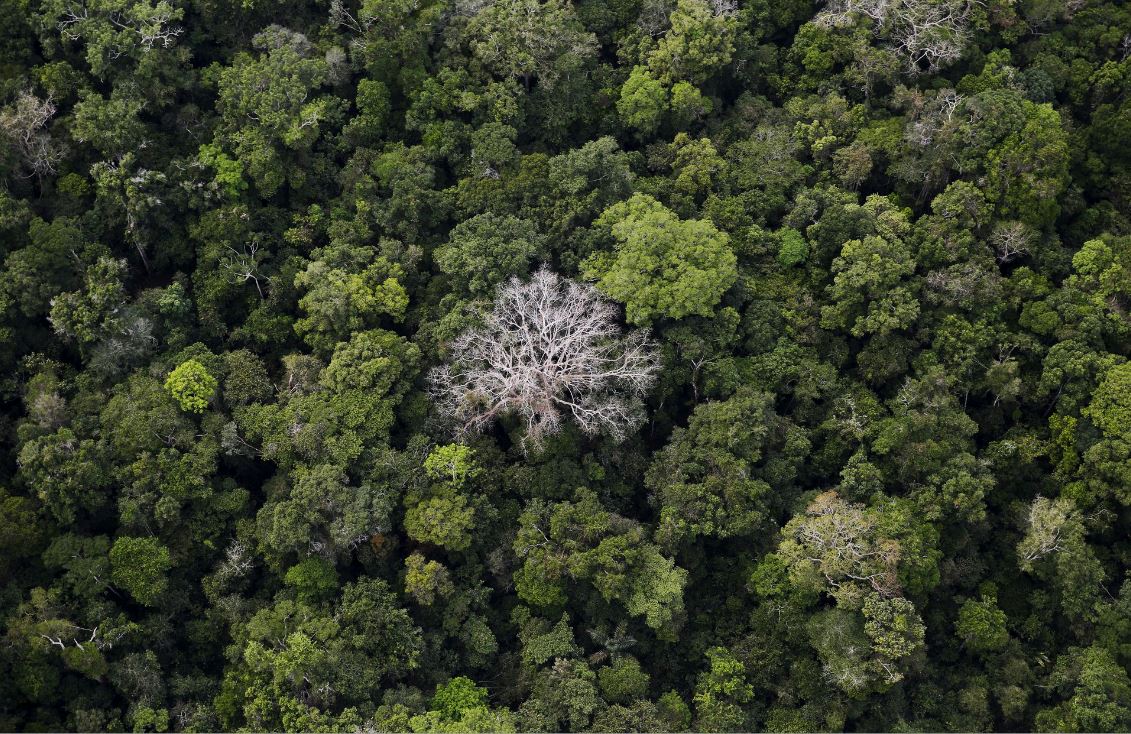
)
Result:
{"points": [[550, 347]]}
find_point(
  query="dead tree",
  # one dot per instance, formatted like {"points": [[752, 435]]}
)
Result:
{"points": [[24, 125], [549, 348]]}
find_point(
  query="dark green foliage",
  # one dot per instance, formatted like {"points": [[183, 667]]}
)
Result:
{"points": [[873, 263]]}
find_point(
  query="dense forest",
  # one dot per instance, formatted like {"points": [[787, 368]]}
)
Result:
{"points": [[565, 365]]}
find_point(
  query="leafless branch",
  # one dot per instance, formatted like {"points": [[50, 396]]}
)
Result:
{"points": [[550, 347]]}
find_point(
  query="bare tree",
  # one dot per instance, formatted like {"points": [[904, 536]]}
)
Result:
{"points": [[550, 347], [1049, 526], [932, 116], [932, 33], [1011, 240], [23, 125], [927, 33], [243, 264]]}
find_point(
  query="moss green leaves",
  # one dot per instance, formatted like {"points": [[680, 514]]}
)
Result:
{"points": [[662, 266]]}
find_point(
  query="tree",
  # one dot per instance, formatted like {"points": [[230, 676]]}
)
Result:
{"points": [[872, 293], [487, 250], [663, 266], [982, 625], [267, 107], [863, 653], [191, 386], [721, 692], [1049, 525], [1053, 548], [23, 125], [699, 42], [1110, 408], [581, 540], [624, 681], [549, 348], [445, 520], [21, 533], [140, 566], [425, 580], [836, 546], [111, 125], [298, 663], [531, 39], [323, 514], [46, 265], [1099, 690], [896, 633], [91, 314], [461, 706], [66, 473], [444, 512], [375, 362], [115, 29], [643, 101], [714, 477], [928, 35], [338, 300]]}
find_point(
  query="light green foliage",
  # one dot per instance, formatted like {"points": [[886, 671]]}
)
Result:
{"points": [[688, 105], [663, 266], [1110, 408], [542, 642], [375, 361], [229, 172], [982, 625], [792, 248], [643, 101], [338, 302], [313, 579], [720, 693], [442, 513], [191, 386], [623, 681], [453, 463], [425, 580], [456, 696], [582, 541], [141, 566], [445, 521]]}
